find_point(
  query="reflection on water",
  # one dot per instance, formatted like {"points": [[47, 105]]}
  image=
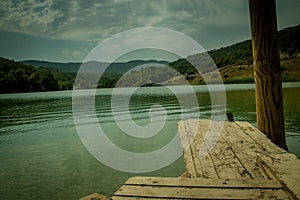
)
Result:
{"points": [[43, 158]]}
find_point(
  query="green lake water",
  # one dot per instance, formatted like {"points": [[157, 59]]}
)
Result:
{"points": [[42, 157]]}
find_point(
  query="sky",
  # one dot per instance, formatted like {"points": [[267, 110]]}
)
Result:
{"points": [[67, 31]]}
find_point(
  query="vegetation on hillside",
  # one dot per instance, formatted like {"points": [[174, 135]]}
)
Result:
{"points": [[241, 53], [234, 63], [147, 76], [17, 77]]}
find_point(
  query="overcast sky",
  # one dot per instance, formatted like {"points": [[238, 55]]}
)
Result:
{"points": [[67, 31]]}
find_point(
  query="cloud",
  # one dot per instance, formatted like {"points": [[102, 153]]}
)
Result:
{"points": [[85, 20], [30, 17], [213, 23], [145, 38], [73, 54]]}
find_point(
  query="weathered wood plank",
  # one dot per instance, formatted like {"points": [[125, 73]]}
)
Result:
{"points": [[228, 164], [223, 161], [198, 193], [260, 139], [135, 198], [188, 157], [284, 167], [234, 155], [95, 196], [203, 182], [245, 150], [205, 166]]}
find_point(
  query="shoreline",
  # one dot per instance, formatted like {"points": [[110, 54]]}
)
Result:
{"points": [[154, 86]]}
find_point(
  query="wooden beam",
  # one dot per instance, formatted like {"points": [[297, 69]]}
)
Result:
{"points": [[203, 183], [153, 192], [267, 74], [95, 196]]}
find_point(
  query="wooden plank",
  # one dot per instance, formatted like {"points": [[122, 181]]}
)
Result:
{"points": [[205, 165], [197, 193], [135, 198], [95, 196], [220, 163], [260, 138], [223, 161], [203, 182], [228, 164], [245, 150], [194, 166], [286, 168], [188, 158]]}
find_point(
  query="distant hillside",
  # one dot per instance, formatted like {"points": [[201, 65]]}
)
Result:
{"points": [[236, 54], [234, 63], [241, 53], [114, 68], [63, 67], [147, 76], [17, 77], [66, 72], [230, 74]]}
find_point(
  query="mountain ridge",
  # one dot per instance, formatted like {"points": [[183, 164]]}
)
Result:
{"points": [[239, 53], [234, 63], [74, 66]]}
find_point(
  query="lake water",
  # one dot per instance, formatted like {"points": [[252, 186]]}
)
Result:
{"points": [[42, 156]]}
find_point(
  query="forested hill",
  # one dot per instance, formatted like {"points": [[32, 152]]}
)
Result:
{"points": [[63, 67], [18, 77], [241, 53], [234, 64], [236, 54], [50, 76], [116, 68]]}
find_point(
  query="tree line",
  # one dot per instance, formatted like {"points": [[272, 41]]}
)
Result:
{"points": [[17, 77], [241, 53]]}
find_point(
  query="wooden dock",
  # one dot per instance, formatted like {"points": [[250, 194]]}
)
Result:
{"points": [[243, 164]]}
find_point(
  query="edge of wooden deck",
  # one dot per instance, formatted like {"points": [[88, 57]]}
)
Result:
{"points": [[259, 157]]}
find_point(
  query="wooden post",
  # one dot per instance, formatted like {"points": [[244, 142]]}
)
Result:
{"points": [[230, 117], [267, 75]]}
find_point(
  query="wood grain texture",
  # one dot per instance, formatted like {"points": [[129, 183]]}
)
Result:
{"points": [[244, 164], [197, 193], [95, 196], [203, 183], [267, 74]]}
